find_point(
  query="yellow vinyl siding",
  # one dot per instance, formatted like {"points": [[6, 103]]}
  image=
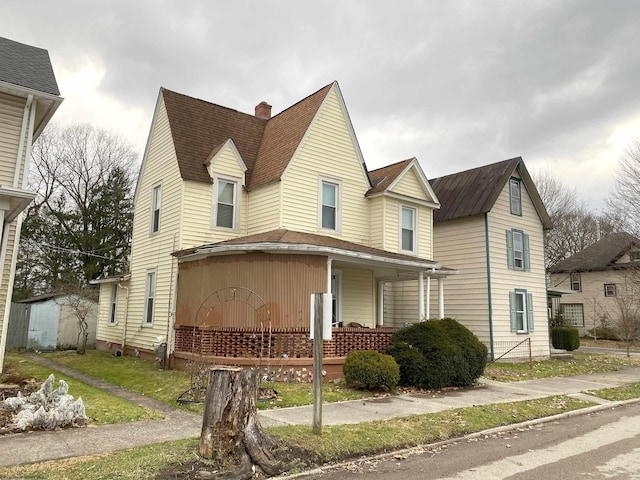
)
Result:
{"points": [[505, 280], [227, 163], [327, 151], [409, 185], [264, 209], [106, 331], [460, 244], [424, 227], [377, 221], [153, 251], [358, 297]]}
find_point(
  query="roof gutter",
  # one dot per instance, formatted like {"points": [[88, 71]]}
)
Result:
{"points": [[199, 253]]}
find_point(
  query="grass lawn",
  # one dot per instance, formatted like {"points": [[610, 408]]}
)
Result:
{"points": [[582, 363], [100, 407], [334, 444]]}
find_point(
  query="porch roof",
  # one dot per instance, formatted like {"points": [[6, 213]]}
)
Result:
{"points": [[292, 242]]}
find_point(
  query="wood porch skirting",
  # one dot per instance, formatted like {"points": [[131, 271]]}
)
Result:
{"points": [[277, 350]]}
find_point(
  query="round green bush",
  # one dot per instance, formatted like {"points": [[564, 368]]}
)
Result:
{"points": [[371, 370], [437, 354]]}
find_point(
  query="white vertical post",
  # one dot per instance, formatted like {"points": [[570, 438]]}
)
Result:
{"points": [[380, 304], [328, 275], [420, 296], [428, 306], [317, 363], [440, 298]]}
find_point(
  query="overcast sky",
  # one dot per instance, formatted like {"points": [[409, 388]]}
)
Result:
{"points": [[457, 84]]}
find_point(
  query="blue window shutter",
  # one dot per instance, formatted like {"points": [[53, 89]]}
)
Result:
{"points": [[509, 249], [530, 311], [512, 311], [525, 246]]}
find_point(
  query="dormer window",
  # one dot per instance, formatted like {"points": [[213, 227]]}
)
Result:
{"points": [[515, 196], [226, 202]]}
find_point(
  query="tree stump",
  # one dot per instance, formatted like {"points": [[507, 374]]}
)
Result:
{"points": [[231, 434]]}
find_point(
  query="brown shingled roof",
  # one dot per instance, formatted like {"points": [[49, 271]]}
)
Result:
{"points": [[199, 128], [381, 178], [602, 255]]}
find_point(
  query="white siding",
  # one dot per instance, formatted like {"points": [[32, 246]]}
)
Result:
{"points": [[504, 280], [460, 244], [11, 112], [327, 151]]}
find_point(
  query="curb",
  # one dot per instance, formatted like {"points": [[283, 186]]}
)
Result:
{"points": [[471, 436]]}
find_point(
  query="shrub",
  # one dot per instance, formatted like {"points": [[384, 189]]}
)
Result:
{"points": [[370, 370], [566, 338], [603, 333], [437, 354]]}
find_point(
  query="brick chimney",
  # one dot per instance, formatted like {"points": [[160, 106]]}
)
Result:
{"points": [[263, 110]]}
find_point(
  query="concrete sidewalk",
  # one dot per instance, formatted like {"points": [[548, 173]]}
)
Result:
{"points": [[32, 447]]}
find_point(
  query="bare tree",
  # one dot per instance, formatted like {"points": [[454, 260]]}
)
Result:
{"points": [[79, 226], [574, 227], [624, 200], [627, 323], [82, 301]]}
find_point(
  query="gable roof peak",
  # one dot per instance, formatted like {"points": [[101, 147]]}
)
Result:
{"points": [[601, 255]]}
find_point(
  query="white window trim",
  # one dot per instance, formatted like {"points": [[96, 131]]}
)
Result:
{"points": [[236, 202], [338, 184], [579, 282], [525, 319], [614, 290], [514, 180], [338, 296], [147, 296], [514, 233], [158, 187], [415, 228]]}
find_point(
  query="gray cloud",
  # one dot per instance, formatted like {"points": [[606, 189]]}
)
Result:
{"points": [[457, 84]]}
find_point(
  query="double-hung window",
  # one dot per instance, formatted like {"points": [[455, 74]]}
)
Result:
{"points": [[576, 282], [155, 210], [150, 298], [114, 300], [521, 309], [515, 196], [226, 195], [329, 205], [408, 229], [518, 250]]}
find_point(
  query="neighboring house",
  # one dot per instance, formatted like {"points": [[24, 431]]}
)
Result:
{"points": [[604, 278], [29, 96], [490, 227], [260, 212], [51, 321]]}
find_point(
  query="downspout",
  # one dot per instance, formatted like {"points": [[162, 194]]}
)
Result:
{"points": [[486, 240], [171, 314], [126, 314]]}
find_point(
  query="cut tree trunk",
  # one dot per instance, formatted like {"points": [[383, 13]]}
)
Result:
{"points": [[231, 434]]}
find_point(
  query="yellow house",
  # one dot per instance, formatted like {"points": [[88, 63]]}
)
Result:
{"points": [[490, 228], [29, 96], [239, 218]]}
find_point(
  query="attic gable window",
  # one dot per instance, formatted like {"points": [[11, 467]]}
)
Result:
{"points": [[155, 209], [330, 192], [515, 196], [226, 202]]}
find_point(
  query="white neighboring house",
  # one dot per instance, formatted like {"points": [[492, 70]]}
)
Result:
{"points": [[29, 96], [604, 278]]}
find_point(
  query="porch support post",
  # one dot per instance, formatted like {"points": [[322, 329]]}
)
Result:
{"points": [[428, 306], [380, 304], [420, 296], [440, 298], [328, 274]]}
